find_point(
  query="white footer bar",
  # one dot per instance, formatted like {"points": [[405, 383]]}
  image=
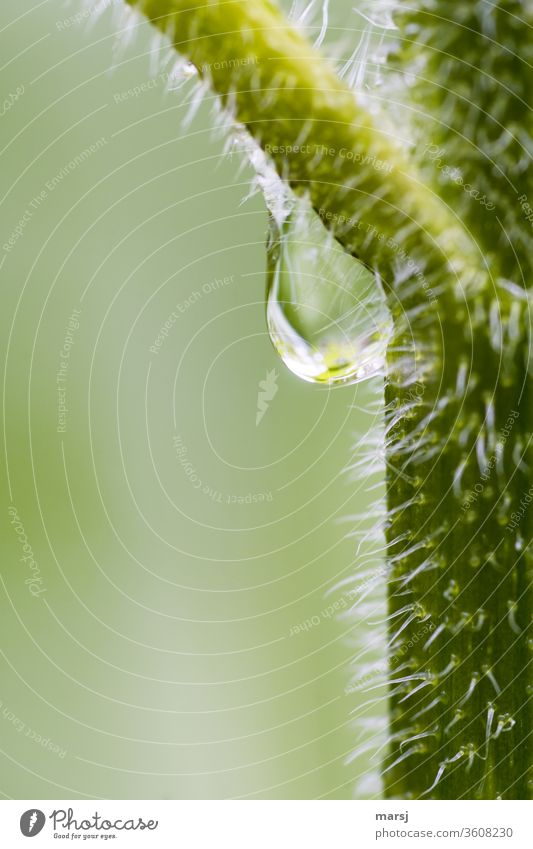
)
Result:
{"points": [[267, 824]]}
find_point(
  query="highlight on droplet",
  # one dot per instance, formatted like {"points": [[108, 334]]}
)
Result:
{"points": [[326, 312]]}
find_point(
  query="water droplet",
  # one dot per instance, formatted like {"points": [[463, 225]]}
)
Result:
{"points": [[326, 313]]}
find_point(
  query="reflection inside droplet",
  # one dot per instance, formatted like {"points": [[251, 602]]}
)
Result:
{"points": [[326, 313]]}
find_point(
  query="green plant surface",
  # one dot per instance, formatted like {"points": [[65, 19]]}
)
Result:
{"points": [[465, 455], [458, 385], [293, 104], [472, 106]]}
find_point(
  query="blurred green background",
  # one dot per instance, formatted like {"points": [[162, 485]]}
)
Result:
{"points": [[151, 640]]}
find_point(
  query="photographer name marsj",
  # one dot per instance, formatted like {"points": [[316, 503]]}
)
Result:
{"points": [[66, 826]]}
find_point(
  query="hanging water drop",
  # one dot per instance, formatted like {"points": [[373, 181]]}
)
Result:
{"points": [[326, 312]]}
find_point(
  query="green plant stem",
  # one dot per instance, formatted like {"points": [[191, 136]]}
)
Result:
{"points": [[472, 476], [472, 96], [457, 372], [317, 135], [461, 568]]}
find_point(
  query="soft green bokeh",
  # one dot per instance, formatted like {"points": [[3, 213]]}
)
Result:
{"points": [[177, 541]]}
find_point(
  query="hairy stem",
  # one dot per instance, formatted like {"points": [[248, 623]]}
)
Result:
{"points": [[472, 64], [462, 726], [458, 409], [316, 133], [461, 569]]}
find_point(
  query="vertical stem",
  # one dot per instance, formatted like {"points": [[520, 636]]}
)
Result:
{"points": [[461, 565]]}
